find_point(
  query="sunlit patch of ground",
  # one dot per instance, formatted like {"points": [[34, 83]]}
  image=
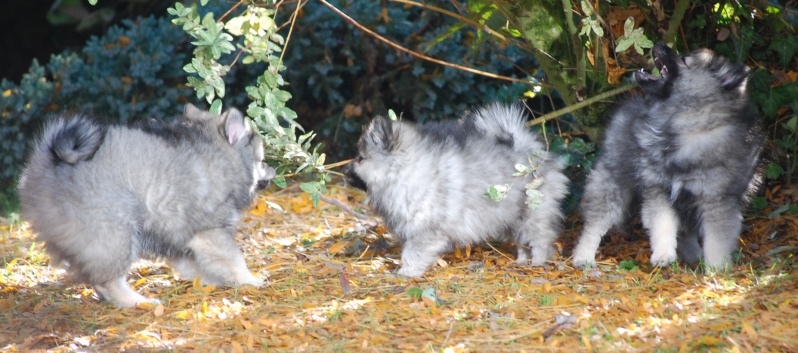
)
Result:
{"points": [[331, 289]]}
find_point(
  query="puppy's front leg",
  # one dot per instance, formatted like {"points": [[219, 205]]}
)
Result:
{"points": [[418, 255]]}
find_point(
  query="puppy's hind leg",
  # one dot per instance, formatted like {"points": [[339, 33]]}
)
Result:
{"points": [[105, 259], [542, 225], [687, 247], [721, 227], [119, 293], [604, 205], [217, 259]]}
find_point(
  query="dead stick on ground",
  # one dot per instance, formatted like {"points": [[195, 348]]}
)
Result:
{"points": [[346, 208]]}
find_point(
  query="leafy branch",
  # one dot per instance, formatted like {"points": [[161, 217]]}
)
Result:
{"points": [[260, 42]]}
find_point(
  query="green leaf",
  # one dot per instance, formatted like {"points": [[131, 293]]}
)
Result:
{"points": [[309, 187], [216, 107], [786, 47], [280, 181], [497, 192], [629, 265], [414, 293], [777, 212], [534, 198], [282, 96], [632, 37], [628, 26], [773, 171], [791, 124], [759, 203], [315, 198], [587, 8], [431, 296], [623, 44], [596, 26]]}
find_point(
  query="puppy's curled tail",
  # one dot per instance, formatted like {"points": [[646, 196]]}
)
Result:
{"points": [[505, 124], [73, 140]]}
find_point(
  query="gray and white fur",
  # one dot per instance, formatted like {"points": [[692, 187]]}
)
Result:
{"points": [[428, 182], [103, 196], [689, 150]]}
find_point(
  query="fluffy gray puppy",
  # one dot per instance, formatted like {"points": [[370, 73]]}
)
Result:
{"points": [[428, 182], [689, 149], [101, 197]]}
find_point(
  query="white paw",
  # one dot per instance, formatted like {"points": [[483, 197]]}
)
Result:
{"points": [[409, 272], [718, 263], [663, 258], [154, 302], [250, 279], [584, 257], [582, 262]]}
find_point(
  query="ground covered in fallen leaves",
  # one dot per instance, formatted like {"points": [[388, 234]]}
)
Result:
{"points": [[331, 289]]}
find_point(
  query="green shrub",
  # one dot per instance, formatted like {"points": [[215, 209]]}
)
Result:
{"points": [[133, 72], [331, 63]]}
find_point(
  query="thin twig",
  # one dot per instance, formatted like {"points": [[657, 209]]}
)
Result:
{"points": [[579, 105], [290, 30], [230, 10], [454, 15], [345, 208], [326, 167], [498, 251], [424, 57]]}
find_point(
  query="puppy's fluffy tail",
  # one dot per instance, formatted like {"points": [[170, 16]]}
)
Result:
{"points": [[73, 140], [505, 124]]}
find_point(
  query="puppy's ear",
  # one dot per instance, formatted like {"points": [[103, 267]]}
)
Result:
{"points": [[236, 126], [379, 135], [732, 76]]}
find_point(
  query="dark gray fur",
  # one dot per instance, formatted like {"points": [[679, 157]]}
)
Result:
{"points": [[428, 182], [103, 196], [690, 149]]}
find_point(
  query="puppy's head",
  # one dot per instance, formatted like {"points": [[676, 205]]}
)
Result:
{"points": [[373, 161], [235, 129], [239, 133], [698, 73]]}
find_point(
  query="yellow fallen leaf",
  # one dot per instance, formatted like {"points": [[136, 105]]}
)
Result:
{"points": [[337, 246], [706, 341], [145, 306], [208, 289], [159, 310], [237, 347], [586, 342], [749, 330], [182, 315], [139, 282]]}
